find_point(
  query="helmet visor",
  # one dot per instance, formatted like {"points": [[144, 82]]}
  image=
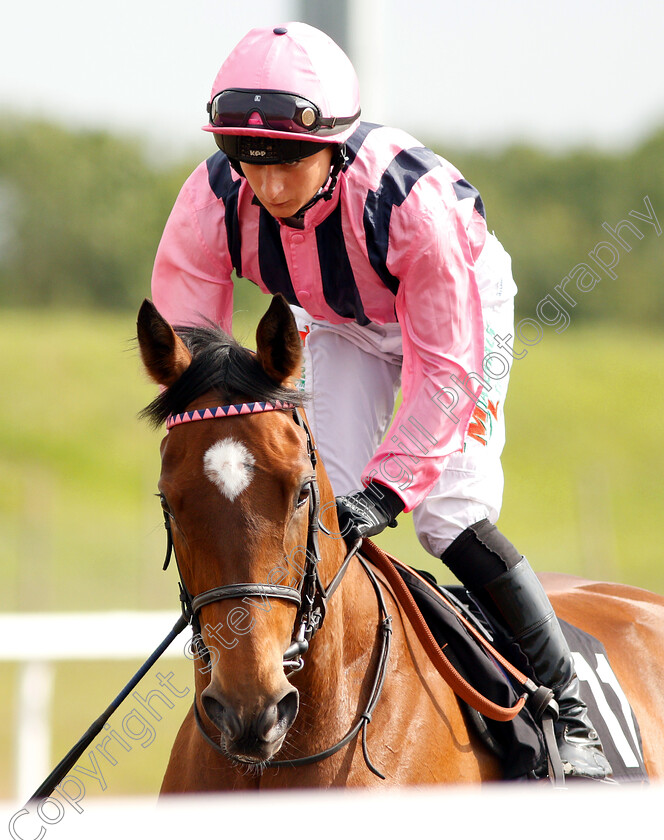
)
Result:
{"points": [[276, 110], [265, 150]]}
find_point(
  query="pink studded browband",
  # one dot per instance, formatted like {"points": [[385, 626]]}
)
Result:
{"points": [[226, 411]]}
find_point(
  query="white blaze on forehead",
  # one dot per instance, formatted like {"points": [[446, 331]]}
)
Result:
{"points": [[229, 465]]}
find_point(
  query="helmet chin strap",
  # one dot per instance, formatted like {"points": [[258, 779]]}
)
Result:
{"points": [[339, 159], [327, 190]]}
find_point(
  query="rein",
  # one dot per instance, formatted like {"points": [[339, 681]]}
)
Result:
{"points": [[539, 698]]}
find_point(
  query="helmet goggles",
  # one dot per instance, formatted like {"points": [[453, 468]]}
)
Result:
{"points": [[277, 110]]}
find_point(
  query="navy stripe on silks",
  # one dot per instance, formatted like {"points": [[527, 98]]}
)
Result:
{"points": [[224, 187], [354, 142], [338, 281], [398, 180], [272, 260], [465, 190]]}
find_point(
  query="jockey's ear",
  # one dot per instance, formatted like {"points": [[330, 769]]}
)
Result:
{"points": [[163, 352], [278, 345]]}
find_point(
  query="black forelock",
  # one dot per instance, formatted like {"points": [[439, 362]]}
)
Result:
{"points": [[219, 365]]}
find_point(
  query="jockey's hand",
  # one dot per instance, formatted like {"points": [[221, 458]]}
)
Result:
{"points": [[368, 512]]}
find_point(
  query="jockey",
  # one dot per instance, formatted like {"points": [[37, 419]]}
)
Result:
{"points": [[381, 248]]}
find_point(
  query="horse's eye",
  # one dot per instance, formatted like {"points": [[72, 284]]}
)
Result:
{"points": [[164, 503], [303, 498]]}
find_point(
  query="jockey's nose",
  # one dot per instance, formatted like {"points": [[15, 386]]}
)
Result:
{"points": [[274, 180]]}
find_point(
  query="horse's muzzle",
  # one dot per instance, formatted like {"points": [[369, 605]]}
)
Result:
{"points": [[251, 735]]}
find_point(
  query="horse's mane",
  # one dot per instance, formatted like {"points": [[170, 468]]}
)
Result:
{"points": [[221, 365]]}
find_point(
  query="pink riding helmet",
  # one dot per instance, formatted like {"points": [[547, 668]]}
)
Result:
{"points": [[272, 70]]}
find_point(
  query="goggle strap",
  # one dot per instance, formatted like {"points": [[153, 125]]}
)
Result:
{"points": [[333, 122]]}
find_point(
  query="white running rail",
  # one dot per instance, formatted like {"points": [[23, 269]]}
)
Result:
{"points": [[37, 641]]}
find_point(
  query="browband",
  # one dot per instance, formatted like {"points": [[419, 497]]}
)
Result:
{"points": [[226, 411]]}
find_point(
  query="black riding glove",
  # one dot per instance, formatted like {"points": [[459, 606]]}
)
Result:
{"points": [[368, 512]]}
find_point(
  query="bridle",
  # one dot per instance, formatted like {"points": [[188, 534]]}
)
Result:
{"points": [[310, 596]]}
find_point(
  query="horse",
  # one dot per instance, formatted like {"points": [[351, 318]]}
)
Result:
{"points": [[308, 673]]}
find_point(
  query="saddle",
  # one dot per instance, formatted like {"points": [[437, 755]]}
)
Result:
{"points": [[450, 618]]}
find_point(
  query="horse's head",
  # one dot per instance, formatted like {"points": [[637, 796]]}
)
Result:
{"points": [[237, 493]]}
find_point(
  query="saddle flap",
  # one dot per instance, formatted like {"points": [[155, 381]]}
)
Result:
{"points": [[513, 742], [518, 743]]}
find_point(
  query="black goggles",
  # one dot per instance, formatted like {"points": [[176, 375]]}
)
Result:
{"points": [[278, 110]]}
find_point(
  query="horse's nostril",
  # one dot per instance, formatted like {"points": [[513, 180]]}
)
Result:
{"points": [[287, 708], [223, 717], [267, 726], [266, 722], [277, 718]]}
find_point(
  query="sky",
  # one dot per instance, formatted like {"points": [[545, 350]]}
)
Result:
{"points": [[481, 73]]}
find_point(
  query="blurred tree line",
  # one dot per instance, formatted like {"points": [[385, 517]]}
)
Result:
{"points": [[549, 209], [81, 214], [80, 217]]}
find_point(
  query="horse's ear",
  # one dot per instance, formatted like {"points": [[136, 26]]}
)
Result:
{"points": [[164, 354], [278, 344]]}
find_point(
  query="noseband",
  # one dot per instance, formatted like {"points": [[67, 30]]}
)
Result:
{"points": [[311, 596]]}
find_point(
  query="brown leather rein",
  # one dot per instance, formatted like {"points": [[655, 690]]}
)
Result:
{"points": [[461, 687]]}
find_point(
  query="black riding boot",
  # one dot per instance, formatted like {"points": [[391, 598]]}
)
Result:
{"points": [[508, 589]]}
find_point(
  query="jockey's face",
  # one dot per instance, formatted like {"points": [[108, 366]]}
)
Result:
{"points": [[283, 188]]}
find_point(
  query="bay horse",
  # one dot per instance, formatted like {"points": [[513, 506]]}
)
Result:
{"points": [[291, 655]]}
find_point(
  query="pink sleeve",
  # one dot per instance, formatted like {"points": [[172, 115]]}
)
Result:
{"points": [[191, 280], [439, 309]]}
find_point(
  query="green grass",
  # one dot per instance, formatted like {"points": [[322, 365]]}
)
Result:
{"points": [[80, 528], [584, 461]]}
